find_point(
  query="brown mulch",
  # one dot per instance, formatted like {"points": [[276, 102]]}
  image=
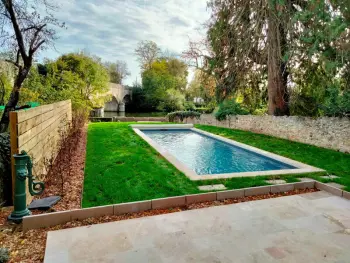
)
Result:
{"points": [[73, 185], [30, 246]]}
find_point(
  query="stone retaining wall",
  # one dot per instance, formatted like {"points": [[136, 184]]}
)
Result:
{"points": [[145, 119], [327, 132]]}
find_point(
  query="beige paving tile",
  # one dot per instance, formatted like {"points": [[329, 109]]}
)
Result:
{"points": [[285, 229], [277, 181], [212, 187], [306, 179]]}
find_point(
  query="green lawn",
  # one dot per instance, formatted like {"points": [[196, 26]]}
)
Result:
{"points": [[121, 167]]}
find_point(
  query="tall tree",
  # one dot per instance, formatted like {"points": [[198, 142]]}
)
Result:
{"points": [[164, 84], [118, 71], [147, 52], [24, 32], [273, 38]]}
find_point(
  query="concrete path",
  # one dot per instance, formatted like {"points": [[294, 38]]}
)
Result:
{"points": [[312, 227]]}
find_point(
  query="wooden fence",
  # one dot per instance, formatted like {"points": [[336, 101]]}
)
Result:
{"points": [[37, 131]]}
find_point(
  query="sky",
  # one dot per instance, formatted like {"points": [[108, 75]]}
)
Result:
{"points": [[111, 29]]}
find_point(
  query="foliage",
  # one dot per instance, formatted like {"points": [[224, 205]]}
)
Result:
{"points": [[164, 84], [276, 53], [206, 110], [118, 71], [25, 31], [60, 166], [336, 104], [4, 255], [202, 86], [138, 102], [229, 108], [78, 77], [147, 52], [189, 106], [182, 115], [174, 100], [5, 88]]}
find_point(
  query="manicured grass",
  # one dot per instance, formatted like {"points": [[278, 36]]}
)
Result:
{"points": [[122, 167], [333, 162]]}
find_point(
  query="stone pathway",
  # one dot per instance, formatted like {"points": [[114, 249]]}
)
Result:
{"points": [[306, 179], [212, 187], [329, 177], [312, 227], [277, 181]]}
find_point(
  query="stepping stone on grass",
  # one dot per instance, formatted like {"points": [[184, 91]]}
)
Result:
{"points": [[211, 187], [306, 179], [279, 181], [330, 176], [339, 186]]}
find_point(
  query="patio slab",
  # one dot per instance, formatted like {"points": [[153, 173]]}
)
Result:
{"points": [[312, 227]]}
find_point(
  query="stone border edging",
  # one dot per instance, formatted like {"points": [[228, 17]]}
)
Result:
{"points": [[332, 190], [61, 217]]}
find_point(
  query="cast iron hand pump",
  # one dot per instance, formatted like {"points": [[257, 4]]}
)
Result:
{"points": [[23, 168]]}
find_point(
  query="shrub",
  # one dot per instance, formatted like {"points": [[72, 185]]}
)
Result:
{"points": [[173, 101], [337, 103], [60, 167], [228, 108], [181, 115], [4, 255], [189, 106], [206, 110]]}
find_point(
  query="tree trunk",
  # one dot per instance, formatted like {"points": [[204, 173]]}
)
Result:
{"points": [[278, 97], [14, 98]]}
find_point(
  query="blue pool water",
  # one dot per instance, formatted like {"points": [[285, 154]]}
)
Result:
{"points": [[207, 155]]}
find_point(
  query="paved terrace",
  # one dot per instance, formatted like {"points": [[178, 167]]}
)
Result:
{"points": [[312, 227]]}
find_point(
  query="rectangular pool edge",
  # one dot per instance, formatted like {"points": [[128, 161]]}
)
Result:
{"points": [[192, 175]]}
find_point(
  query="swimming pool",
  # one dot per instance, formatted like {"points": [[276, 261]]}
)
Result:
{"points": [[202, 155]]}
